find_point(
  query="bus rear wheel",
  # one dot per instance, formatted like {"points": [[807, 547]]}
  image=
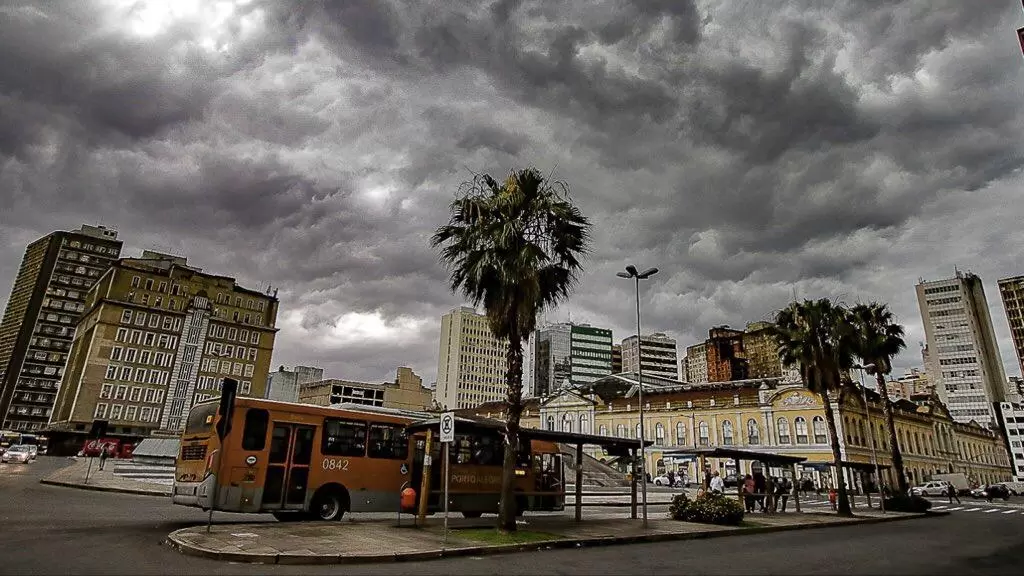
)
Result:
{"points": [[328, 506]]}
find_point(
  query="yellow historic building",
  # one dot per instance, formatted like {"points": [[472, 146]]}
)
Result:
{"points": [[770, 415]]}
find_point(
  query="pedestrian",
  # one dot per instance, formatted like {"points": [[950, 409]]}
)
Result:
{"points": [[988, 494], [951, 493], [717, 486], [103, 456], [785, 487], [760, 485], [748, 493], [833, 496], [671, 478]]}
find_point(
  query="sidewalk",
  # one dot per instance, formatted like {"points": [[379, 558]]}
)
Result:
{"points": [[360, 541], [105, 480]]}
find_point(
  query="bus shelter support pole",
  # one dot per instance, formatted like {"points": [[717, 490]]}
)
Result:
{"points": [[632, 484], [579, 482], [421, 515], [796, 489]]}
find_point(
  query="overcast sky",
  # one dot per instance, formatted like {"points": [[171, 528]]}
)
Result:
{"points": [[748, 149]]}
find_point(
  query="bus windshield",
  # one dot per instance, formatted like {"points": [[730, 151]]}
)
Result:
{"points": [[200, 419]]}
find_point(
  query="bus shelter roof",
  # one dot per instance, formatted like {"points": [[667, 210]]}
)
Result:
{"points": [[737, 454], [614, 446]]}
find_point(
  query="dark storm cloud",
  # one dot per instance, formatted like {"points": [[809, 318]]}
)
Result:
{"points": [[750, 150]]}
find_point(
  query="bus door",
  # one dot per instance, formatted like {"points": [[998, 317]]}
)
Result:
{"points": [[291, 449]]}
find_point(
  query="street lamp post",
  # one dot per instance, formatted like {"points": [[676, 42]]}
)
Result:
{"points": [[637, 277], [871, 436]]}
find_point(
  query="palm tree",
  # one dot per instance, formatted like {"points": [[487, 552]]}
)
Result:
{"points": [[879, 340], [816, 336], [514, 247]]}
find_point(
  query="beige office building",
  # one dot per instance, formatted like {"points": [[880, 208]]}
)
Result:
{"points": [[471, 361], [157, 337], [405, 393], [1012, 292]]}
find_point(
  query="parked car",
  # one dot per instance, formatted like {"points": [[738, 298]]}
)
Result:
{"points": [[1015, 488], [33, 450], [935, 488], [992, 491], [18, 454]]}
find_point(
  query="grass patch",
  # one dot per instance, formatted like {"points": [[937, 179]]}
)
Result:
{"points": [[492, 536]]}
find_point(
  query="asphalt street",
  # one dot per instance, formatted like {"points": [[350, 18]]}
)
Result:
{"points": [[50, 530]]}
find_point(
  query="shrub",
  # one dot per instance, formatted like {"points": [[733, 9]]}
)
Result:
{"points": [[904, 503], [706, 509]]}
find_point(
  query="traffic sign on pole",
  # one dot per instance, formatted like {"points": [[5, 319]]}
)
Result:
{"points": [[448, 427]]}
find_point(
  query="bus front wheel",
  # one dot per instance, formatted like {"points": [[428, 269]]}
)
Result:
{"points": [[329, 505]]}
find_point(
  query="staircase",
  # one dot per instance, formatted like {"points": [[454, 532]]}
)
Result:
{"points": [[157, 474], [595, 472]]}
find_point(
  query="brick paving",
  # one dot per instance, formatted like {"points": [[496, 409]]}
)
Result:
{"points": [[376, 540], [73, 476]]}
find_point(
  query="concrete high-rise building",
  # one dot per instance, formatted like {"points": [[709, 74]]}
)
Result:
{"points": [[913, 383], [616, 358], [727, 360], [38, 325], [1012, 292], [697, 363], [283, 385], [962, 347], [570, 353], [471, 361], [762, 351], [159, 336], [659, 356]]}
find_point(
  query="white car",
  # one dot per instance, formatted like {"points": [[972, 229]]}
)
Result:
{"points": [[935, 488], [18, 454], [663, 481]]}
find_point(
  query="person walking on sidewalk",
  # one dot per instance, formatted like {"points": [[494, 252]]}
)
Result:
{"points": [[717, 485], [748, 493], [104, 454], [951, 493]]}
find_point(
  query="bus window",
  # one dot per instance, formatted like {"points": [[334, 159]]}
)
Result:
{"points": [[254, 435], [388, 441], [200, 419], [343, 438]]}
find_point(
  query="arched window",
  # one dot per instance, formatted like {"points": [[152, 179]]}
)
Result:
{"points": [[567, 423], [820, 431], [727, 433], [584, 424], [782, 425], [801, 429], [703, 434], [863, 439], [753, 432], [603, 430], [620, 431], [551, 422], [659, 434], [680, 434], [638, 431]]}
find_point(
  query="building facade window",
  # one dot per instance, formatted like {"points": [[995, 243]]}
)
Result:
{"points": [[753, 432], [782, 426], [680, 434], [820, 430], [659, 434], [702, 430]]}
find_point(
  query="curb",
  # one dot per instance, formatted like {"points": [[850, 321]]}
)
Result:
{"points": [[134, 491], [299, 559]]}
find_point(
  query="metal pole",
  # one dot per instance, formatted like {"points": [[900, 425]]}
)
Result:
{"points": [[447, 465], [88, 469], [871, 435], [640, 385]]}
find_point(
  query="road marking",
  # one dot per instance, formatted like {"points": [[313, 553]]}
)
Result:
{"points": [[955, 509], [972, 510], [941, 507], [1009, 512], [992, 510]]}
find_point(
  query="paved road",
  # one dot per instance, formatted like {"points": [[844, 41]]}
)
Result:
{"points": [[49, 530]]}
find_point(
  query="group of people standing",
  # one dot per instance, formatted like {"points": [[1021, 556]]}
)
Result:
{"points": [[766, 493]]}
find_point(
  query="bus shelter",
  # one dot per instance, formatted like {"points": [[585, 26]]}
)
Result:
{"points": [[622, 447], [767, 459]]}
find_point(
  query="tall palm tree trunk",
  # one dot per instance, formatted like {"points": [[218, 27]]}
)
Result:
{"points": [[837, 455], [890, 424], [514, 385]]}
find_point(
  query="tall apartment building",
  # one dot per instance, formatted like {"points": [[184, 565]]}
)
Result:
{"points": [[157, 337], [616, 358], [38, 325], [969, 375], [727, 359], [1012, 292], [762, 351], [283, 385], [471, 361], [573, 353], [405, 393], [697, 363], [659, 356]]}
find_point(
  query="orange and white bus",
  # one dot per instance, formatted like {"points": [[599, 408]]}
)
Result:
{"points": [[321, 462]]}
